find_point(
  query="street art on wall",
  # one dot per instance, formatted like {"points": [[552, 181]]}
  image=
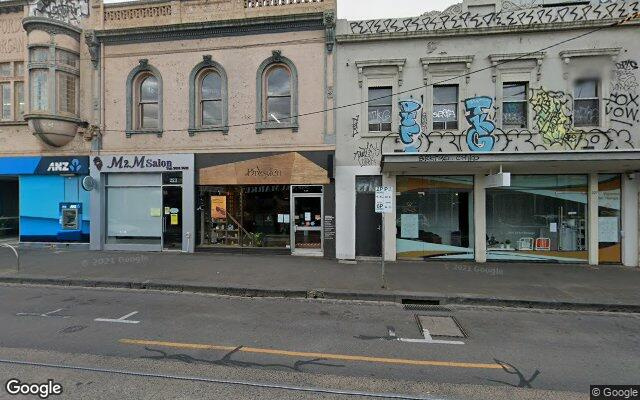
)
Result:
{"points": [[410, 127], [480, 134], [623, 104], [455, 18], [354, 125], [368, 154], [552, 114], [69, 11]]}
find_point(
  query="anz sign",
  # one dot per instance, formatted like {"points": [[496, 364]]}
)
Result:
{"points": [[65, 166]]}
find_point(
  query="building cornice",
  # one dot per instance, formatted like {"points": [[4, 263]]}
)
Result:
{"points": [[12, 6], [51, 26], [198, 30]]}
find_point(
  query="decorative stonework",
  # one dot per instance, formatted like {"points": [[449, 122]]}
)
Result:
{"points": [[275, 3], [67, 11], [137, 13]]}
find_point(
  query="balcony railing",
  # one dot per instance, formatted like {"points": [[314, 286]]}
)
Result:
{"points": [[274, 3]]}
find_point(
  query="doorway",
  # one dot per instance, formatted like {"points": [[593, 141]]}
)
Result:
{"points": [[9, 208], [172, 218], [306, 224], [368, 222]]}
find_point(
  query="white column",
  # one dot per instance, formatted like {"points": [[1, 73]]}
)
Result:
{"points": [[480, 218], [592, 217], [629, 203], [390, 222]]}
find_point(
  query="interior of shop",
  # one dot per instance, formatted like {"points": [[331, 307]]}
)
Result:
{"points": [[9, 210]]}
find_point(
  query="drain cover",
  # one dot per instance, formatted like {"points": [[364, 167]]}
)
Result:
{"points": [[440, 326]]}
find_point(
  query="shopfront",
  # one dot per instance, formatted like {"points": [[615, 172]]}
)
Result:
{"points": [[265, 202], [42, 199], [454, 208], [143, 202]]}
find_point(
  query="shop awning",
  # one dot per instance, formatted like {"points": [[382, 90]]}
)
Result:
{"points": [[547, 162]]}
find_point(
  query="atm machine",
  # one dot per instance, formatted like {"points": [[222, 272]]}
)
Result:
{"points": [[70, 228]]}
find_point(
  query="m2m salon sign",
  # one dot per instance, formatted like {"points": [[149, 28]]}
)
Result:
{"points": [[140, 163]]}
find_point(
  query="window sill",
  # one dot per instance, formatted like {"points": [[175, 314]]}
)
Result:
{"points": [[13, 123], [144, 132], [377, 134], [209, 129], [274, 125]]}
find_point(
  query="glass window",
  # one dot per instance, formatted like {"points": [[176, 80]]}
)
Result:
{"points": [[380, 109], [586, 108], [211, 99], [434, 217], [5, 101], [5, 69], [39, 54], [19, 93], [445, 107], [67, 88], [66, 58], [130, 219], [609, 219], [18, 68], [514, 105], [278, 90], [39, 90], [148, 103], [538, 218]]}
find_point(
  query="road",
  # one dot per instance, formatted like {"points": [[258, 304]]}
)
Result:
{"points": [[194, 345]]}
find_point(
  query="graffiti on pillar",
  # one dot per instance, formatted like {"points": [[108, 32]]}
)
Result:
{"points": [[69, 11], [368, 154], [552, 114], [480, 135], [623, 104], [625, 79], [354, 125], [410, 125]]}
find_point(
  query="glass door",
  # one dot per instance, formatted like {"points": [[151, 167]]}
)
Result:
{"points": [[307, 224], [172, 218]]}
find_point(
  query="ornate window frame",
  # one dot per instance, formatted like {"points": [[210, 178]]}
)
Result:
{"points": [[261, 122], [133, 80], [195, 82]]}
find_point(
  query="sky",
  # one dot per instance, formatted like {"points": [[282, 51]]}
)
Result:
{"points": [[370, 9]]}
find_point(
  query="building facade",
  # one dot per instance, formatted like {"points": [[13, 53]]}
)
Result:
{"points": [[509, 130]]}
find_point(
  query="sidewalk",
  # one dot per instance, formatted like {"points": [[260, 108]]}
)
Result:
{"points": [[546, 285]]}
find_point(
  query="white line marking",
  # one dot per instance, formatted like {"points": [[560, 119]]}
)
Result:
{"points": [[47, 314], [429, 340], [122, 319]]}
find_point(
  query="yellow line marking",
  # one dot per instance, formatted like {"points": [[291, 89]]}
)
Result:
{"points": [[343, 357]]}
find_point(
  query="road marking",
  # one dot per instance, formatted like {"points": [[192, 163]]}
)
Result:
{"points": [[47, 314], [122, 319], [429, 340], [286, 353]]}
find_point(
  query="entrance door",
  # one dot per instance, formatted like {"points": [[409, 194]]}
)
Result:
{"points": [[368, 222], [172, 217], [307, 224]]}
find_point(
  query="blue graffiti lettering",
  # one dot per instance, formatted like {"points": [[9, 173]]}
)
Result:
{"points": [[409, 128], [480, 134]]}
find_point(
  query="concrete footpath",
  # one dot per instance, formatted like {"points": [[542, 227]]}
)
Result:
{"points": [[610, 288]]}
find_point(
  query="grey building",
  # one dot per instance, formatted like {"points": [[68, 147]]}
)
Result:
{"points": [[509, 130]]}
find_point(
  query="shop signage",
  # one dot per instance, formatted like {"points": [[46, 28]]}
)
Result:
{"points": [[501, 179], [329, 227], [138, 163], [78, 165], [384, 199]]}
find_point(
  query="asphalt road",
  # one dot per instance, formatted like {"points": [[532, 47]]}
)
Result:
{"points": [[192, 346]]}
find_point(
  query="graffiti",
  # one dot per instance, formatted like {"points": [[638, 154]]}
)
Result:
{"points": [[552, 114], [623, 108], [431, 47], [480, 134], [368, 154], [69, 11], [410, 128], [382, 116], [354, 125], [444, 114], [455, 18], [624, 76]]}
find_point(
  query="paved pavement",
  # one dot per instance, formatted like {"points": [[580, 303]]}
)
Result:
{"points": [[354, 346], [273, 275]]}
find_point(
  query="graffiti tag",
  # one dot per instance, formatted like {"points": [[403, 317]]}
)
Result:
{"points": [[480, 134]]}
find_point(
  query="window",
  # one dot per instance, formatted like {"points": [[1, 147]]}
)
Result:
{"points": [[66, 58], [211, 99], [148, 102], [445, 107], [380, 109], [67, 87], [11, 91], [514, 105], [278, 94], [586, 107], [39, 55], [39, 90]]}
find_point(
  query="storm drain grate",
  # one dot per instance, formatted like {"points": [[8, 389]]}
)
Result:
{"points": [[440, 325], [426, 307]]}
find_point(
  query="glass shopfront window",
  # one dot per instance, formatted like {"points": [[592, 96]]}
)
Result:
{"points": [[434, 217], [244, 216], [538, 218], [609, 222]]}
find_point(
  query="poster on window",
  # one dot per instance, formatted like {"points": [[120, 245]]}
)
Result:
{"points": [[409, 226], [608, 231], [219, 207]]}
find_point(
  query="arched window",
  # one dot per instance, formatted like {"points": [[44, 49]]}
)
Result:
{"points": [[208, 98], [144, 100], [148, 103], [277, 86]]}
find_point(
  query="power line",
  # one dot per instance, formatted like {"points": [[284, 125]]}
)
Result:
{"points": [[523, 56]]}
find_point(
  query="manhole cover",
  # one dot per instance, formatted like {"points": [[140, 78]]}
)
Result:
{"points": [[440, 326]]}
